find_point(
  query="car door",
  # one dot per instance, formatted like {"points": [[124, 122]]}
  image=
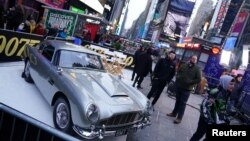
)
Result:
{"points": [[44, 70], [35, 58]]}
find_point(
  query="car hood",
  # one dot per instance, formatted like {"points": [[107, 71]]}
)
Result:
{"points": [[105, 88]]}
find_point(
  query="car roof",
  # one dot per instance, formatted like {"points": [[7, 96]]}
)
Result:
{"points": [[57, 44]]}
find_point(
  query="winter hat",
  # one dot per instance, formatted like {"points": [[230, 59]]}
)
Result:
{"points": [[225, 80]]}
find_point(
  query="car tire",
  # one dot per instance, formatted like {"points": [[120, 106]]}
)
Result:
{"points": [[62, 116], [26, 73]]}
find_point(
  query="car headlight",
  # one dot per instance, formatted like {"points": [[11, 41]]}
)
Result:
{"points": [[92, 113]]}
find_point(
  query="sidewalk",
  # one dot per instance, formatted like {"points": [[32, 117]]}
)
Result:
{"points": [[162, 127]]}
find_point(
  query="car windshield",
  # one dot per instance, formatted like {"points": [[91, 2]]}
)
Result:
{"points": [[80, 60]]}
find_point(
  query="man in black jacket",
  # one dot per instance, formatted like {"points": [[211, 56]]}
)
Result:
{"points": [[135, 62], [163, 73], [143, 67]]}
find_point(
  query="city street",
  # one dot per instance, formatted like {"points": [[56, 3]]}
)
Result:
{"points": [[78, 53], [162, 127]]}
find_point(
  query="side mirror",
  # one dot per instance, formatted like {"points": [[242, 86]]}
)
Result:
{"points": [[59, 70]]}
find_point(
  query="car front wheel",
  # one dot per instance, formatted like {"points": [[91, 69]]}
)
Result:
{"points": [[61, 116], [27, 75]]}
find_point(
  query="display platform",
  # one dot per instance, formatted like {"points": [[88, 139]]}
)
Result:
{"points": [[16, 93]]}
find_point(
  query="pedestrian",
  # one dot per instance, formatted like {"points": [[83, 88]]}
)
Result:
{"points": [[40, 29], [15, 17], [135, 58], [52, 30], [63, 33], [2, 15], [213, 108], [144, 66], [26, 27], [187, 77], [32, 26], [235, 96], [163, 73]]}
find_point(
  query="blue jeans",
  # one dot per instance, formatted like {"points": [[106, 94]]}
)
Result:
{"points": [[174, 19], [182, 96]]}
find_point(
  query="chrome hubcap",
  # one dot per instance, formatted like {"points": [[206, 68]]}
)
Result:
{"points": [[62, 115]]}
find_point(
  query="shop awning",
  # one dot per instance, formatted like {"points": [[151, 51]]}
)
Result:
{"points": [[94, 4]]}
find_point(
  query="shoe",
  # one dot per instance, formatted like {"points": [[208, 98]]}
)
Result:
{"points": [[23, 75], [133, 85], [152, 109], [171, 115], [132, 79], [177, 121]]}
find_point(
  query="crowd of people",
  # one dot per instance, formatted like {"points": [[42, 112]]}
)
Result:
{"points": [[17, 19], [219, 104]]}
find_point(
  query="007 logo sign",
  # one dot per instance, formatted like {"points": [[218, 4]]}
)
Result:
{"points": [[14, 46]]}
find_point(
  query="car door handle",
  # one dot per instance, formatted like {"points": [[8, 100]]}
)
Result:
{"points": [[51, 81]]}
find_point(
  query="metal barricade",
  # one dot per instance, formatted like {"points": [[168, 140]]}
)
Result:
{"points": [[15, 125], [212, 82]]}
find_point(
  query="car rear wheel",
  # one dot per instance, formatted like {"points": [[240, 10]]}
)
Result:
{"points": [[27, 75], [61, 116]]}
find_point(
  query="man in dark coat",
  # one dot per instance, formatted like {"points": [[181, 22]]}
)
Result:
{"points": [[163, 73], [144, 66], [15, 17], [135, 61], [187, 77], [1, 15]]}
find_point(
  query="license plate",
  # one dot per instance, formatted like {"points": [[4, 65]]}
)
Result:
{"points": [[121, 132]]}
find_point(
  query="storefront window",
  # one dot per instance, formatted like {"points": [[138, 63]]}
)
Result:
{"points": [[203, 57], [179, 52], [201, 65], [202, 60], [189, 53]]}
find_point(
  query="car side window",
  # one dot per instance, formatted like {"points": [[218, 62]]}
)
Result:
{"points": [[41, 46], [48, 52], [56, 58]]}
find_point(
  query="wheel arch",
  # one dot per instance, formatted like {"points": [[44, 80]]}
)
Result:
{"points": [[58, 95]]}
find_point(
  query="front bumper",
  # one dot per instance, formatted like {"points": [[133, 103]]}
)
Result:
{"points": [[100, 133]]}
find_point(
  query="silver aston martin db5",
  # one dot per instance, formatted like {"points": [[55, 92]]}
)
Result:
{"points": [[85, 98]]}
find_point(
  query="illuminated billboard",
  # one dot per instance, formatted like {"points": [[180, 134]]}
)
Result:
{"points": [[173, 19]]}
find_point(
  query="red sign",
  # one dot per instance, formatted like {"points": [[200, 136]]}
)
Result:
{"points": [[215, 50], [192, 46], [221, 14], [187, 39]]}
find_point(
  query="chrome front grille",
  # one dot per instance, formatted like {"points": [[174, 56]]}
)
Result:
{"points": [[121, 119]]}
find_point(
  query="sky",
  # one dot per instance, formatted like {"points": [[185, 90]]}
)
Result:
{"points": [[135, 8]]}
